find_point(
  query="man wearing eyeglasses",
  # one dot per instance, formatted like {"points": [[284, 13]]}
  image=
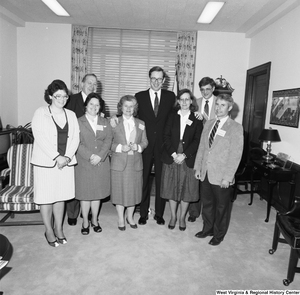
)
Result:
{"points": [[76, 104], [154, 106], [206, 111]]}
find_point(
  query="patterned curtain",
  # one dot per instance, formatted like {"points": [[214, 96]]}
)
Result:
{"points": [[185, 65], [79, 52]]}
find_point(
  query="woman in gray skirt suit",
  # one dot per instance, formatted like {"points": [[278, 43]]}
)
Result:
{"points": [[92, 174], [129, 140]]}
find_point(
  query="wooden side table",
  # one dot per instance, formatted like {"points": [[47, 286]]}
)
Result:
{"points": [[273, 176]]}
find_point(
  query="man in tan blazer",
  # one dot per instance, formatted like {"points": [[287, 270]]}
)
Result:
{"points": [[217, 160], [207, 87]]}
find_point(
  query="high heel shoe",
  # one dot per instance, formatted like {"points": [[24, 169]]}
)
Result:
{"points": [[134, 226], [62, 241], [170, 226], [182, 228], [85, 230], [52, 244], [97, 228]]}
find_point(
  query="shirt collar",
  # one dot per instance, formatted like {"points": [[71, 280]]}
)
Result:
{"points": [[180, 114], [152, 92]]}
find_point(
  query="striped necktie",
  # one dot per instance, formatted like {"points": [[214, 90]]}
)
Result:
{"points": [[156, 104], [213, 132]]}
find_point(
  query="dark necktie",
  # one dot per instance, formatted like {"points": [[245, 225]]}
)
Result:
{"points": [[213, 132], [206, 108], [156, 104]]}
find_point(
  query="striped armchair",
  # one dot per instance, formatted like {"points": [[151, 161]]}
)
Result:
{"points": [[17, 196]]}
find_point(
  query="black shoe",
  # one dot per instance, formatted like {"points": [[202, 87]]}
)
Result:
{"points": [[202, 234], [159, 220], [182, 228], [72, 221], [96, 228], [170, 226], [192, 219], [85, 230], [52, 244], [215, 242], [134, 226], [121, 228], [62, 241], [143, 220]]}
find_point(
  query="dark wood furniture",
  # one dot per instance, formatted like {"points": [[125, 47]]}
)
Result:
{"points": [[270, 188], [288, 225]]}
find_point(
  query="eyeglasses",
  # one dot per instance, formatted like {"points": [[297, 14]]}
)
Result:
{"points": [[159, 80], [61, 97]]}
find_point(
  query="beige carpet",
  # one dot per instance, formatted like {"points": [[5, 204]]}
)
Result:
{"points": [[149, 260]]}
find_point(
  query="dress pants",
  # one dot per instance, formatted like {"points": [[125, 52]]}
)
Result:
{"points": [[195, 207], [73, 208], [148, 160], [216, 210]]}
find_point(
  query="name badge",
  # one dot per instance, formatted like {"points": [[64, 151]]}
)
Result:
{"points": [[221, 132], [141, 126], [99, 127], [189, 122]]}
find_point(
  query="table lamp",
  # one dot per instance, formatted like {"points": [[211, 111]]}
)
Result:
{"points": [[269, 135]]}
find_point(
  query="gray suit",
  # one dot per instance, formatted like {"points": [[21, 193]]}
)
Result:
{"points": [[216, 163], [195, 208]]}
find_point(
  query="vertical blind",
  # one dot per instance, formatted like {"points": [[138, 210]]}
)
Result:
{"points": [[121, 59]]}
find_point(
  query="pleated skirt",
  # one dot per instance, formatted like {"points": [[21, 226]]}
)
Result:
{"points": [[53, 185], [178, 183], [127, 185]]}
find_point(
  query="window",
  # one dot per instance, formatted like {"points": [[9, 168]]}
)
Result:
{"points": [[121, 59]]}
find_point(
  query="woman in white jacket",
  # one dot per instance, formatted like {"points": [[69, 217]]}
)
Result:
{"points": [[56, 139]]}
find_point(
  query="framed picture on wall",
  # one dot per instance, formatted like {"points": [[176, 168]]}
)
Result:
{"points": [[285, 107]]}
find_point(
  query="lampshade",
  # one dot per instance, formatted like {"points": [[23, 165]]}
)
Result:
{"points": [[269, 135]]}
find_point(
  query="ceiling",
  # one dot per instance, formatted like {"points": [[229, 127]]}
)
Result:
{"points": [[240, 16]]}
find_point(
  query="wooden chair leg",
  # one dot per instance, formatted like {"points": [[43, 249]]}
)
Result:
{"points": [[292, 268], [275, 239]]}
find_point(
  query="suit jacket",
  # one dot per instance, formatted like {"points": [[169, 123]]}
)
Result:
{"points": [[212, 114], [45, 138], [190, 139], [154, 125], [76, 104], [119, 160], [221, 160], [90, 143]]}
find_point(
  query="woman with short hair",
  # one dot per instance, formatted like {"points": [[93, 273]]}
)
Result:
{"points": [[129, 141]]}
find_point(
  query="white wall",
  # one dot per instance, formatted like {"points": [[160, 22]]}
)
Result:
{"points": [[223, 54], [280, 44], [8, 74], [44, 54]]}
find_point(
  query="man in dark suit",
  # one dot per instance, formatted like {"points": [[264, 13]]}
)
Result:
{"points": [[76, 104], [154, 106], [218, 157], [206, 111]]}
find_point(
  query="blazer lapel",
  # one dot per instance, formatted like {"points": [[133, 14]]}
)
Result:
{"points": [[122, 130], [87, 124], [225, 128]]}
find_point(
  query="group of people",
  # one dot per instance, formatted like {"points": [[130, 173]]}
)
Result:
{"points": [[80, 157]]}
